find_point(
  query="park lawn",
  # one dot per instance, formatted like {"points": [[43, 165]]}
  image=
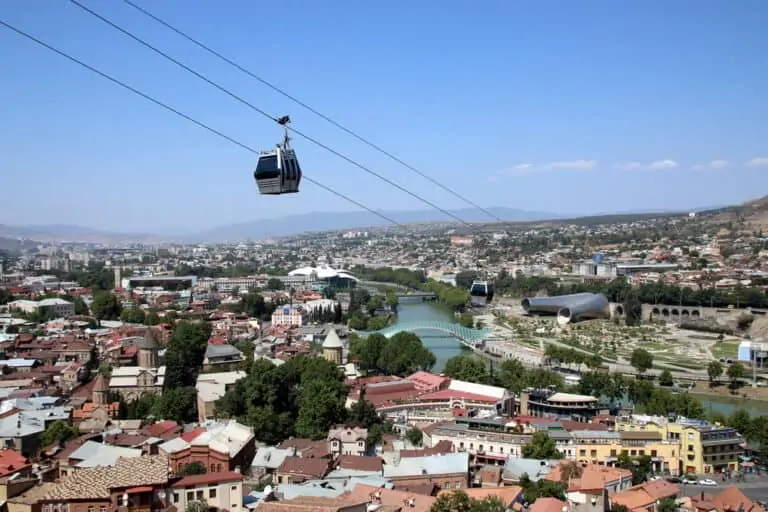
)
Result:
{"points": [[726, 350]]}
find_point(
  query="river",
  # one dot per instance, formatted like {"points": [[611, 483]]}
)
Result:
{"points": [[445, 347]]}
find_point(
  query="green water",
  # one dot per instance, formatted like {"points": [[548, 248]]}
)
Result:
{"points": [[727, 406], [442, 345]]}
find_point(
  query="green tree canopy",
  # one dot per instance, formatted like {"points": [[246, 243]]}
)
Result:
{"points": [[133, 316], [57, 432], [106, 306], [185, 353], [464, 367], [304, 397], [641, 360], [541, 447]]}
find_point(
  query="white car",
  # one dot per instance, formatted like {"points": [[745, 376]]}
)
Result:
{"points": [[708, 482]]}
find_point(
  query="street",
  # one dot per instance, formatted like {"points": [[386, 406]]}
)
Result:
{"points": [[755, 488]]}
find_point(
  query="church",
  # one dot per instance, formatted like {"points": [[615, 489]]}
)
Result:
{"points": [[147, 378]]}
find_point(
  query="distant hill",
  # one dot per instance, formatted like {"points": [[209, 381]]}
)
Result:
{"points": [[756, 210], [754, 213], [329, 221], [73, 233]]}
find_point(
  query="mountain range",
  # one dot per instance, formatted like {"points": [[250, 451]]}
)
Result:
{"points": [[16, 237], [265, 228]]}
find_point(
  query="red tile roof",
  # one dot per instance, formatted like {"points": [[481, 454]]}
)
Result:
{"points": [[207, 479], [11, 462], [360, 463]]}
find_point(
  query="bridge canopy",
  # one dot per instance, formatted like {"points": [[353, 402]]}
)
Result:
{"points": [[457, 330]]}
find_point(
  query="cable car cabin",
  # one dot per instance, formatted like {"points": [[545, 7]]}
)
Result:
{"points": [[481, 293], [278, 172]]}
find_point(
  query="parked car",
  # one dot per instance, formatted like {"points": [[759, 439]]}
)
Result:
{"points": [[708, 482]]}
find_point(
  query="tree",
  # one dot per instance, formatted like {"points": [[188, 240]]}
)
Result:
{"points": [[133, 316], [665, 378], [392, 299], [197, 506], [741, 421], [414, 436], [736, 372], [466, 319], [468, 368], [464, 279], [185, 353], [541, 489], [404, 354], [193, 468], [641, 360], [275, 284], [177, 404], [81, 308], [319, 409], [714, 370], [459, 501], [667, 505], [570, 470], [633, 311], [57, 432], [106, 306], [542, 447]]}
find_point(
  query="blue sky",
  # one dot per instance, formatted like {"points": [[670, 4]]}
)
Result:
{"points": [[572, 107]]}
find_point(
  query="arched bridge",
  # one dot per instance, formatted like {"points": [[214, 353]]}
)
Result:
{"points": [[466, 334]]}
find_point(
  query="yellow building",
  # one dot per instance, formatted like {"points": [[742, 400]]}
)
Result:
{"points": [[703, 447], [604, 447]]}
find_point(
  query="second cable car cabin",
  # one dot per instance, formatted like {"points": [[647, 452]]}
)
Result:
{"points": [[277, 170], [481, 293]]}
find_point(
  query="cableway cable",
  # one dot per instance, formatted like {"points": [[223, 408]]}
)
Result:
{"points": [[182, 114], [265, 114], [328, 119]]}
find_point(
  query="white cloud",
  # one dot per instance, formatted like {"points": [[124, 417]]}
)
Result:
{"points": [[714, 164], [518, 170], [760, 161], [656, 165], [576, 165]]}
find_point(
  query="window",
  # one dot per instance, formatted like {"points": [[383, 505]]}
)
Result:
{"points": [[175, 497], [234, 488], [212, 492], [218, 468], [190, 496], [213, 468], [200, 496], [91, 508]]}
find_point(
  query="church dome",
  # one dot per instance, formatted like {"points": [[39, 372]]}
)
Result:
{"points": [[149, 342], [332, 340]]}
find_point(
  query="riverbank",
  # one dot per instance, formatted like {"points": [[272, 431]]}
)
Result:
{"points": [[723, 391]]}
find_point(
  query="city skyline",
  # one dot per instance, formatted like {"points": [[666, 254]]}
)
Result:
{"points": [[563, 109]]}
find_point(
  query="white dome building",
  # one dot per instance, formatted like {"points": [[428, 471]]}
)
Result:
{"points": [[328, 275], [333, 347]]}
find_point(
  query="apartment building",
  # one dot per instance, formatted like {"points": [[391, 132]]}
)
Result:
{"points": [[703, 447], [603, 447], [488, 441], [220, 491], [52, 308], [287, 316]]}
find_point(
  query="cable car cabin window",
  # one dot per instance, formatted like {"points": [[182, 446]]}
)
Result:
{"points": [[267, 167], [288, 168]]}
